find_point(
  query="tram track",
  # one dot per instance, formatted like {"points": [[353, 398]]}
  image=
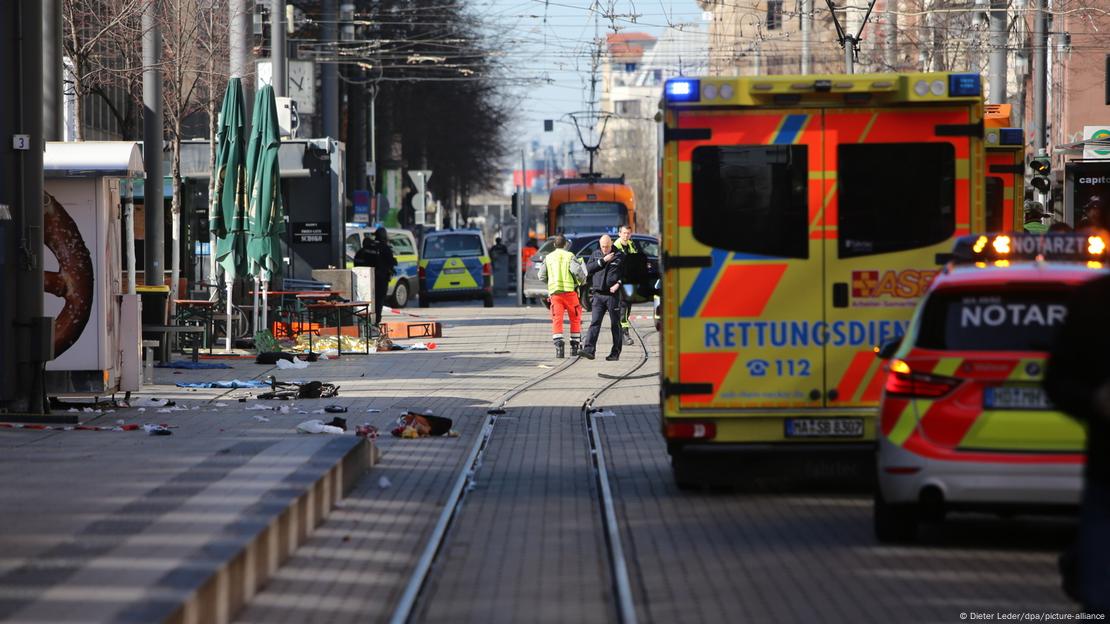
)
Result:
{"points": [[625, 606]]}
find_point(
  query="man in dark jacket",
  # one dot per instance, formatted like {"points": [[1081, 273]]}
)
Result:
{"points": [[603, 271], [377, 253], [1078, 382]]}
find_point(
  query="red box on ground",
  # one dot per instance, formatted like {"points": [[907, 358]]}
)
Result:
{"points": [[401, 330]]}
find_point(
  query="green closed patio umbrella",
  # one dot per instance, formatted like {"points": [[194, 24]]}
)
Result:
{"points": [[228, 217], [265, 213]]}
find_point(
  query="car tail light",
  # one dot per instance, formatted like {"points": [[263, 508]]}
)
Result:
{"points": [[903, 381], [487, 269], [420, 272], [691, 430]]}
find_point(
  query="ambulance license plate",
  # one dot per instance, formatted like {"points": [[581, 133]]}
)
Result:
{"points": [[1016, 397], [824, 427], [454, 271]]}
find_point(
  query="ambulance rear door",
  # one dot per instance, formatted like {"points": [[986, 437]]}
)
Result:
{"points": [[900, 190], [744, 281]]}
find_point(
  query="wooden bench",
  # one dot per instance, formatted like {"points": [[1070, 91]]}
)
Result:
{"points": [[166, 331]]}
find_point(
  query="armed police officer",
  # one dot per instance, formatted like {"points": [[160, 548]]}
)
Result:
{"points": [[563, 273], [605, 272]]}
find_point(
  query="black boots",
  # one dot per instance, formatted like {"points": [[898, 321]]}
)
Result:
{"points": [[559, 348], [575, 345]]}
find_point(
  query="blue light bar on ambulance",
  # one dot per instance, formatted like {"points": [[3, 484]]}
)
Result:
{"points": [[1011, 136], [1059, 247], [963, 85], [682, 90]]}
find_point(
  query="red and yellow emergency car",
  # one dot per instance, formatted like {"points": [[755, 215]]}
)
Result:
{"points": [[801, 220], [964, 421]]}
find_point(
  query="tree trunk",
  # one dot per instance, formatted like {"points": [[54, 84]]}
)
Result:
{"points": [[213, 202]]}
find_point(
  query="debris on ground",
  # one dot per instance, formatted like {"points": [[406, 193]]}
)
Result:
{"points": [[296, 363], [151, 402], [339, 422], [285, 390], [191, 365], [261, 418], [231, 384], [366, 430], [335, 409], [265, 408], [317, 426], [157, 430], [384, 482], [419, 425], [373, 410]]}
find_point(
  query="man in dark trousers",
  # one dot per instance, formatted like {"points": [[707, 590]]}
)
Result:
{"points": [[377, 253], [1077, 380], [603, 271]]}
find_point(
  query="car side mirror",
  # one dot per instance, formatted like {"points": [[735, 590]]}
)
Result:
{"points": [[887, 350]]}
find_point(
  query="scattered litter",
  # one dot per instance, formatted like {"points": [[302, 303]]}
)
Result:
{"points": [[418, 425], [151, 402], [373, 410], [308, 390], [384, 482], [284, 409], [33, 427], [295, 363], [142, 409], [335, 409], [600, 413], [73, 409], [316, 426], [189, 364], [339, 422], [232, 384], [420, 346], [543, 366], [157, 430], [120, 421], [265, 408], [272, 357], [261, 418], [89, 410], [318, 411], [366, 430], [221, 405], [501, 352]]}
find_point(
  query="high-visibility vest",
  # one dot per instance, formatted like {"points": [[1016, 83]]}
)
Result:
{"points": [[631, 247], [559, 275]]}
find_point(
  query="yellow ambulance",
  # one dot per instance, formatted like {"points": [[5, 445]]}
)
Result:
{"points": [[802, 218]]}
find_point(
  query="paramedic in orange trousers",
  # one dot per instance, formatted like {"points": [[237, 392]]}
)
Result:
{"points": [[563, 273]]}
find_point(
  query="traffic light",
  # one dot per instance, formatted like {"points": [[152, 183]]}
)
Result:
{"points": [[516, 204], [1042, 169]]}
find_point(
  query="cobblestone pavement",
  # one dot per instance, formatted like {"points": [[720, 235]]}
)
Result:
{"points": [[118, 526]]}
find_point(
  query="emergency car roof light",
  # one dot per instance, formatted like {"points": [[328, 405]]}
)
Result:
{"points": [[964, 85], [1050, 247], [682, 90], [1001, 244], [980, 244], [1011, 136], [1095, 245]]}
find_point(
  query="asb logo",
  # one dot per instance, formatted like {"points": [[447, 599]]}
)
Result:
{"points": [[906, 284]]}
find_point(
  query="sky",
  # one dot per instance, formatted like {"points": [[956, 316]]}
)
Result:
{"points": [[547, 47]]}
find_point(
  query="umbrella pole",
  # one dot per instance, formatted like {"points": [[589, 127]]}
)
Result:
{"points": [[254, 315], [265, 299], [227, 337]]}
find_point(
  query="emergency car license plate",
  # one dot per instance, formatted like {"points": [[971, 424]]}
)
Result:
{"points": [[824, 427], [454, 271], [1016, 397]]}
